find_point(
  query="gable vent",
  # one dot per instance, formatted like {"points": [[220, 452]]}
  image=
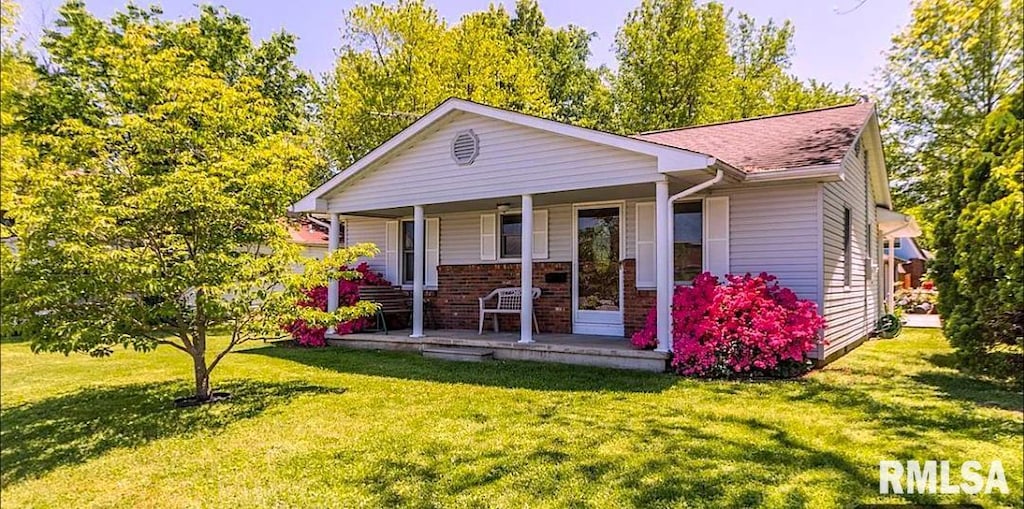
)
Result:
{"points": [[465, 147]]}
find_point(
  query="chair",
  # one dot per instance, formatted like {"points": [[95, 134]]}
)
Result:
{"points": [[508, 301]]}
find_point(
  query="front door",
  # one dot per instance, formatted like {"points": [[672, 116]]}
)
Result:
{"points": [[597, 274]]}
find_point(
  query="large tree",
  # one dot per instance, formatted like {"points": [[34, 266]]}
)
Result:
{"points": [[980, 245], [167, 155], [945, 73], [683, 63], [397, 62]]}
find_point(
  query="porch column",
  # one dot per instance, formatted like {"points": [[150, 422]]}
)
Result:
{"points": [[663, 214], [333, 242], [526, 272], [890, 278], [419, 249]]}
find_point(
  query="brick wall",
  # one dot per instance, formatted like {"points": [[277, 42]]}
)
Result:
{"points": [[637, 302], [455, 304]]}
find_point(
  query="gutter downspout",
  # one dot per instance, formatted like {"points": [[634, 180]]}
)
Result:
{"points": [[666, 286]]}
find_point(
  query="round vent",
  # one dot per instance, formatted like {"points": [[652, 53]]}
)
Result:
{"points": [[465, 147]]}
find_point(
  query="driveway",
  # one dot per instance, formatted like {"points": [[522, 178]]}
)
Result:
{"points": [[923, 321]]}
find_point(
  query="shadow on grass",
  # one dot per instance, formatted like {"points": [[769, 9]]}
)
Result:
{"points": [[508, 374], [972, 390], [40, 436]]}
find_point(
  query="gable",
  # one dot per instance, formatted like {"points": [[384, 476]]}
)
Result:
{"points": [[512, 160]]}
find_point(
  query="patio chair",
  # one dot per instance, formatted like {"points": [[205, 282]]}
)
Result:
{"points": [[508, 301]]}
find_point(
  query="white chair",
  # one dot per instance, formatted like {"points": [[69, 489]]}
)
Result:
{"points": [[509, 301]]}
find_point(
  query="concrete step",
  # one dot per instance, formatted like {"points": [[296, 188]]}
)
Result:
{"points": [[458, 354]]}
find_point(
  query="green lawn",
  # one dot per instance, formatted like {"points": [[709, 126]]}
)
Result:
{"points": [[338, 428]]}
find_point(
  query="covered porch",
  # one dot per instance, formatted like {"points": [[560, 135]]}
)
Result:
{"points": [[582, 349]]}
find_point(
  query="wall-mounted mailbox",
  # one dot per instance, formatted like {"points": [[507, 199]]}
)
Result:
{"points": [[556, 277]]}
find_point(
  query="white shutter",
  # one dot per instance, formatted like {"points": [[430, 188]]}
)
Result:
{"points": [[391, 250], [433, 251], [646, 248], [488, 239], [716, 235], [540, 234]]}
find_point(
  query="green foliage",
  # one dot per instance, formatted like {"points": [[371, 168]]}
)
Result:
{"points": [[946, 71], [17, 81], [168, 153], [683, 63], [980, 245]]}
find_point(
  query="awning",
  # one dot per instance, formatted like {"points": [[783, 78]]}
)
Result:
{"points": [[894, 225]]}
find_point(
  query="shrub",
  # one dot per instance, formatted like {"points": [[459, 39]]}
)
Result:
{"points": [[748, 326], [348, 294]]}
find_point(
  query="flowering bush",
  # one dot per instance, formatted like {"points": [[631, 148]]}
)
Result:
{"points": [[916, 300], [750, 325], [348, 294]]}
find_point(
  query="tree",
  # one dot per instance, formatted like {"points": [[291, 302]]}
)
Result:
{"points": [[17, 81], [154, 208], [397, 62], [682, 63], [980, 246], [945, 73], [578, 93]]}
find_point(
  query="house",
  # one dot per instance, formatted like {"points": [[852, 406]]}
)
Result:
{"points": [[613, 222], [911, 261], [311, 234]]}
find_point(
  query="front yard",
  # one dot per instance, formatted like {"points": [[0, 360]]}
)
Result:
{"points": [[338, 428]]}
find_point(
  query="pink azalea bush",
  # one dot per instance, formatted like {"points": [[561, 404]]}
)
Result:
{"points": [[348, 294], [748, 326]]}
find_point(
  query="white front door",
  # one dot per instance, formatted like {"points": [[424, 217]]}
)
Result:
{"points": [[597, 269]]}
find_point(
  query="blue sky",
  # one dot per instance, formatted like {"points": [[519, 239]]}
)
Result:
{"points": [[831, 45]]}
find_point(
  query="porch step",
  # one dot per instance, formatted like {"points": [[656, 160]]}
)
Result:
{"points": [[458, 354]]}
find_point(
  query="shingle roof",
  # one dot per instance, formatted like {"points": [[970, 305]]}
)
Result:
{"points": [[790, 140]]}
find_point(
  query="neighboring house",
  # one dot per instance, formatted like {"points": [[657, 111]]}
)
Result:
{"points": [[613, 222], [912, 261], [310, 233]]}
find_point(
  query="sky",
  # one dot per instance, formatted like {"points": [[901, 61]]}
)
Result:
{"points": [[836, 41]]}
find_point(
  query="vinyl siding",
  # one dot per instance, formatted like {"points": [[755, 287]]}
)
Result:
{"points": [[360, 229], [850, 310], [776, 230], [513, 160]]}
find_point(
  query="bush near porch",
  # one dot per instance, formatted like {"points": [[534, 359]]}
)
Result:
{"points": [[345, 428], [747, 326], [348, 294]]}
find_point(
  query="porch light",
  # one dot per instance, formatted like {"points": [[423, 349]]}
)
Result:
{"points": [[503, 207]]}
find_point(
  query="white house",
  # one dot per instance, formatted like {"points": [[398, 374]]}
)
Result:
{"points": [[613, 222]]}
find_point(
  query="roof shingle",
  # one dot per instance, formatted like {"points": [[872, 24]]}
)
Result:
{"points": [[790, 140]]}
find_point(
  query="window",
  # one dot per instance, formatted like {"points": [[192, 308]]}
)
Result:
{"points": [[688, 233], [896, 243], [408, 251], [847, 247], [511, 232]]}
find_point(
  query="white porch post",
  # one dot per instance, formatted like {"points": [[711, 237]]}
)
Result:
{"points": [[526, 272], [662, 211], [333, 242], [419, 249], [890, 278]]}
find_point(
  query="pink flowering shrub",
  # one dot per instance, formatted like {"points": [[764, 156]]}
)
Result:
{"points": [[747, 326], [348, 294]]}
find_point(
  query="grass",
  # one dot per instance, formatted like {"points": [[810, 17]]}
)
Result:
{"points": [[341, 428]]}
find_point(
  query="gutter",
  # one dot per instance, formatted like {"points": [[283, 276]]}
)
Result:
{"points": [[719, 175]]}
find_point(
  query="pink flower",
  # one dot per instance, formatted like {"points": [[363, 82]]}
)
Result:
{"points": [[348, 294]]}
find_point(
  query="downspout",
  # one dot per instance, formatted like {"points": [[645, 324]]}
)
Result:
{"points": [[668, 287], [719, 175]]}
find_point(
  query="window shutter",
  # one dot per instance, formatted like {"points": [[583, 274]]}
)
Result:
{"points": [[433, 251], [391, 249], [540, 234], [488, 239], [716, 235], [646, 249]]}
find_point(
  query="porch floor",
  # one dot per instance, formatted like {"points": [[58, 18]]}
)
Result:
{"points": [[614, 352]]}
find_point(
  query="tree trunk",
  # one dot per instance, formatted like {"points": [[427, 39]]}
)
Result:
{"points": [[202, 375]]}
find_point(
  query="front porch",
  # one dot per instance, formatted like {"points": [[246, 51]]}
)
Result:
{"points": [[579, 349]]}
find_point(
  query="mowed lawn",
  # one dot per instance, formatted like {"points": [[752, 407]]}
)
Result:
{"points": [[342, 428]]}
